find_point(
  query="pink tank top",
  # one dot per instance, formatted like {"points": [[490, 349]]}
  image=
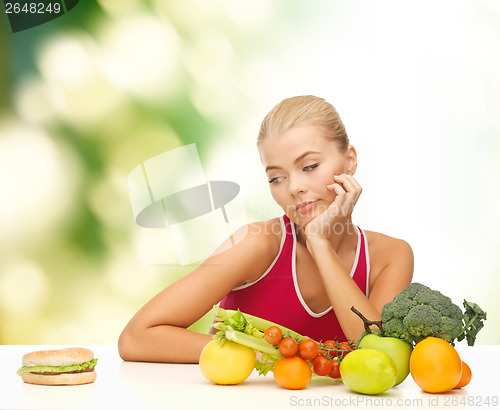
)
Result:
{"points": [[275, 296]]}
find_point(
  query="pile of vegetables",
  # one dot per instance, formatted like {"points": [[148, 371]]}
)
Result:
{"points": [[290, 356], [415, 335]]}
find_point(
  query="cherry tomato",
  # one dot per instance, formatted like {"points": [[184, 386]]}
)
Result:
{"points": [[308, 349], [288, 347], [344, 346], [273, 335], [330, 344], [347, 346], [321, 366], [335, 371]]}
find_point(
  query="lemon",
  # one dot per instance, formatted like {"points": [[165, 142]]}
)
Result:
{"points": [[230, 363]]}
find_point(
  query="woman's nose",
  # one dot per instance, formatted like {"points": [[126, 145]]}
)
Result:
{"points": [[296, 186]]}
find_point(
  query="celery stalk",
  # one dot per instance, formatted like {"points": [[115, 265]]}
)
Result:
{"points": [[256, 322], [252, 342]]}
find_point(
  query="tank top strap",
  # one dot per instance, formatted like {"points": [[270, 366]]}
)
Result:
{"points": [[282, 263], [362, 270], [288, 226]]}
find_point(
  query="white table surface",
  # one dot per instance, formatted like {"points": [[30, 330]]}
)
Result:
{"points": [[127, 385]]}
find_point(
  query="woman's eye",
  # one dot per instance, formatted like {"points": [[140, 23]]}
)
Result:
{"points": [[275, 180], [309, 167]]}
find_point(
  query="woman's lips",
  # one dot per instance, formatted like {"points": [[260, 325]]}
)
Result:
{"points": [[305, 206]]}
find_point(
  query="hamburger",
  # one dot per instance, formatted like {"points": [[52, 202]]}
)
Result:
{"points": [[69, 366]]}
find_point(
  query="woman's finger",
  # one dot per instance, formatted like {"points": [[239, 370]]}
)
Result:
{"points": [[353, 190], [339, 190], [351, 184], [358, 187], [337, 204]]}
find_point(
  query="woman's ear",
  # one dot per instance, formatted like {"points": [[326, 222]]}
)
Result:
{"points": [[352, 160]]}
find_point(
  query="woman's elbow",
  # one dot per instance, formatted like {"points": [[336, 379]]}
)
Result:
{"points": [[126, 343]]}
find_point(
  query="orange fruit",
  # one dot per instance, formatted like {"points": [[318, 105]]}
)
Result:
{"points": [[435, 365], [292, 372], [466, 376]]}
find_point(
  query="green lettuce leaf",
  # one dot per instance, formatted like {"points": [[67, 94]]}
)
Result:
{"points": [[70, 368]]}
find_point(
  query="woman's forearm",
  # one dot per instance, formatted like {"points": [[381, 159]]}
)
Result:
{"points": [[342, 291], [168, 344]]}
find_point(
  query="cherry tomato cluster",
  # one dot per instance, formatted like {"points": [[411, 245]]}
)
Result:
{"points": [[325, 357]]}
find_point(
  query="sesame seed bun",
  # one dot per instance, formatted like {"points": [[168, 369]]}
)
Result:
{"points": [[60, 357]]}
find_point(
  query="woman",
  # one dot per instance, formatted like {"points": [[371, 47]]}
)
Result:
{"points": [[303, 270]]}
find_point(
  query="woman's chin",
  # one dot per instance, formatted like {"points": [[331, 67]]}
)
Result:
{"points": [[301, 220]]}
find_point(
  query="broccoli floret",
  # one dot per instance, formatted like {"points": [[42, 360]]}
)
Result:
{"points": [[451, 328], [422, 321], [439, 302], [395, 328], [418, 312], [412, 289], [399, 309]]}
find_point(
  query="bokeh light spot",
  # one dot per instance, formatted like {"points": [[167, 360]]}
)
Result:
{"points": [[37, 183], [23, 287]]}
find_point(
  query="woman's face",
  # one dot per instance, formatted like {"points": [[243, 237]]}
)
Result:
{"points": [[299, 164]]}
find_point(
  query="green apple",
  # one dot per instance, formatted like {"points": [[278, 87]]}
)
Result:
{"points": [[398, 349], [368, 371]]}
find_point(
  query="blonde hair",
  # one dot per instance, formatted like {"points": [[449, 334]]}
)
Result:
{"points": [[301, 109]]}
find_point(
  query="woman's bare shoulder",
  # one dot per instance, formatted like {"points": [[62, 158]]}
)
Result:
{"points": [[265, 238], [391, 266], [256, 236], [384, 248], [267, 234], [383, 240], [269, 230]]}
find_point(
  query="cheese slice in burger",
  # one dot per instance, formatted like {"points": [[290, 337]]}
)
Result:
{"points": [[72, 365]]}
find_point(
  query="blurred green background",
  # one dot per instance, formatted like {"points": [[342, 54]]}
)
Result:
{"points": [[86, 98]]}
